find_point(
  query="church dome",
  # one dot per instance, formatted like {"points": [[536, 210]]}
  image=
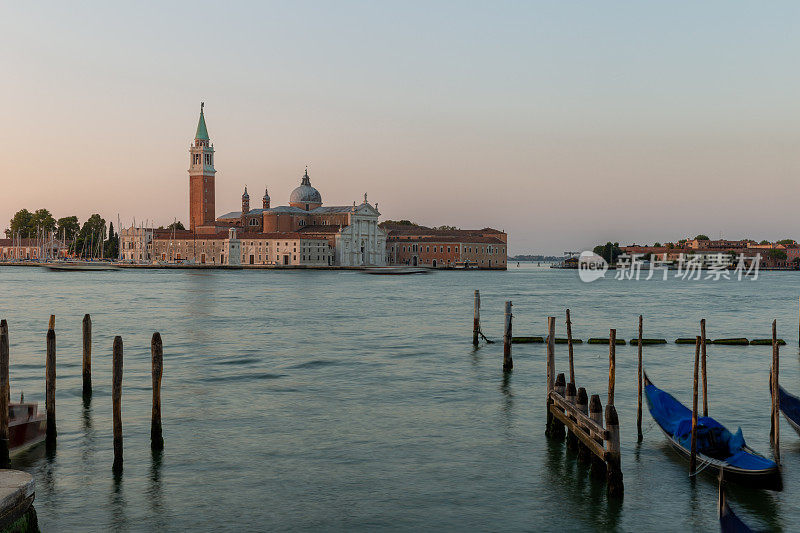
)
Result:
{"points": [[305, 193]]}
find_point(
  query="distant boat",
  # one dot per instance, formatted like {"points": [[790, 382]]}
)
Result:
{"points": [[790, 407], [81, 266], [467, 265], [26, 427], [394, 271], [716, 446]]}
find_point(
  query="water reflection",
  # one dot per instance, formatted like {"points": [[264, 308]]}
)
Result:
{"points": [[119, 519], [154, 494]]}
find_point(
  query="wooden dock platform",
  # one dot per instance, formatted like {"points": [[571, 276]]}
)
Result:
{"points": [[16, 497]]}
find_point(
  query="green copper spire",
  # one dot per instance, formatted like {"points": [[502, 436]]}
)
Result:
{"points": [[202, 132]]}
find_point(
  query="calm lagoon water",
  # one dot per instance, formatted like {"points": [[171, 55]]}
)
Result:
{"points": [[303, 400]]}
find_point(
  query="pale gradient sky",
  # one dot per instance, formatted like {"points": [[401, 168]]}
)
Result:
{"points": [[564, 123]]}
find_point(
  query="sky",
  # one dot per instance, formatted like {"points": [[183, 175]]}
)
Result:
{"points": [[566, 124]]}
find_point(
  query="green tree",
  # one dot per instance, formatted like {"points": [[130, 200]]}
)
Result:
{"points": [[111, 246], [786, 241], [21, 224], [701, 237], [88, 243], [43, 221], [176, 226], [765, 241], [608, 251], [778, 255], [67, 228], [657, 244]]}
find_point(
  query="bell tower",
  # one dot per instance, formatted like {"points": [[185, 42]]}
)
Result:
{"points": [[201, 177]]}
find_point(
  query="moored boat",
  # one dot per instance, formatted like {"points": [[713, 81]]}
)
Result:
{"points": [[790, 407], [81, 266], [393, 271], [716, 446], [728, 521], [26, 427]]}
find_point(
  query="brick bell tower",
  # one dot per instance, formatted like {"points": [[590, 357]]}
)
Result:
{"points": [[201, 177]]}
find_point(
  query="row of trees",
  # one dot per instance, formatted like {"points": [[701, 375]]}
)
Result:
{"points": [[92, 239]]}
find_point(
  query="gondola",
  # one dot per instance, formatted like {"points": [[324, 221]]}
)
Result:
{"points": [[716, 446], [790, 407], [728, 521]]}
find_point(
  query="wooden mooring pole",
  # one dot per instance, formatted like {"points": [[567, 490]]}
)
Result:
{"points": [[157, 352], [551, 370], [776, 406], [87, 357], [556, 428], [569, 346], [582, 403], [569, 395], [4, 394], [693, 458], [476, 318], [612, 347], [703, 365], [50, 383], [508, 363], [639, 397], [116, 398], [596, 415], [613, 453]]}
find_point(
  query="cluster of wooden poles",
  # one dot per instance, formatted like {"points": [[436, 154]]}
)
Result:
{"points": [[568, 407], [157, 357]]}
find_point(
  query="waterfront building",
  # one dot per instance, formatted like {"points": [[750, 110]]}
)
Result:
{"points": [[25, 249], [437, 248]]}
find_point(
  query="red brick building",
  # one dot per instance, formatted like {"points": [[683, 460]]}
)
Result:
{"points": [[420, 246]]}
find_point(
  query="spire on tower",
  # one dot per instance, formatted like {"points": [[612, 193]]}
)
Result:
{"points": [[202, 132]]}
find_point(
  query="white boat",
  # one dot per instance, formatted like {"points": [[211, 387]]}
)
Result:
{"points": [[81, 266], [394, 271]]}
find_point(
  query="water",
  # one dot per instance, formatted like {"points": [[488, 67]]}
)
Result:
{"points": [[336, 400]]}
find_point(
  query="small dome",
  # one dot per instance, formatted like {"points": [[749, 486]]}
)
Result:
{"points": [[305, 193]]}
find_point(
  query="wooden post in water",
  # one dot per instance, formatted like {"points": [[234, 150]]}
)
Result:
{"points": [[582, 402], [596, 414], [116, 398], [639, 397], [703, 365], [50, 383], [612, 347], [569, 346], [52, 323], [551, 370], [557, 429], [613, 453], [157, 352], [572, 439], [776, 406], [476, 318], [508, 363], [4, 394], [693, 458], [87, 356]]}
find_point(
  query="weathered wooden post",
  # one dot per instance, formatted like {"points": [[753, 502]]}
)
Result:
{"points": [[613, 453], [116, 398], [551, 370], [582, 403], [693, 458], [596, 414], [556, 428], [612, 347], [703, 365], [87, 356], [50, 383], [639, 397], [572, 439], [52, 323], [569, 346], [156, 350], [4, 394], [508, 363], [776, 405], [476, 318]]}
